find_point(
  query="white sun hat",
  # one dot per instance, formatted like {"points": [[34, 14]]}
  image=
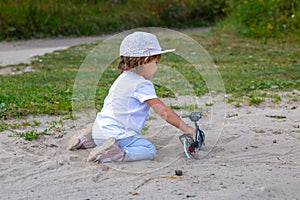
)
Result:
{"points": [[141, 44]]}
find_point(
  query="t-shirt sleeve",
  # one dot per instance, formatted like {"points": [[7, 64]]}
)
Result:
{"points": [[145, 91]]}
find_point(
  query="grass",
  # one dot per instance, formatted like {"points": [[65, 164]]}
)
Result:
{"points": [[262, 18], [187, 107], [31, 18], [251, 18], [31, 129], [249, 68], [232, 115], [29, 135], [4, 125], [276, 116], [249, 65]]}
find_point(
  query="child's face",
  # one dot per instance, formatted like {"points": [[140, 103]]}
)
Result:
{"points": [[150, 68]]}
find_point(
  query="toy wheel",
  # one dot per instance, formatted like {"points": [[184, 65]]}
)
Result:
{"points": [[186, 141]]}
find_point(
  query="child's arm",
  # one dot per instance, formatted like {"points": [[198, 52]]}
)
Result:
{"points": [[170, 116]]}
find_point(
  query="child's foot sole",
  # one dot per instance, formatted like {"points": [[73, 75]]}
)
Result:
{"points": [[81, 141], [74, 143], [101, 149], [109, 150]]}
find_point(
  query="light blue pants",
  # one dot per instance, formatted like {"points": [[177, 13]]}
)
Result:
{"points": [[136, 148]]}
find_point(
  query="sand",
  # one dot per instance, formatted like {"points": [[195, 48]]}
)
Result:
{"points": [[256, 156]]}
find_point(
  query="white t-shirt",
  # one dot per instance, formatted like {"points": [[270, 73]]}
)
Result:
{"points": [[124, 111]]}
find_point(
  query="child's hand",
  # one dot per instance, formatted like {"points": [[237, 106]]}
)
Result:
{"points": [[190, 132]]}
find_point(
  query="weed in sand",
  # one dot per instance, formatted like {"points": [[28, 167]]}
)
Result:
{"points": [[276, 98], [29, 135], [188, 107], [276, 116], [145, 130], [6, 126], [256, 100], [232, 115]]}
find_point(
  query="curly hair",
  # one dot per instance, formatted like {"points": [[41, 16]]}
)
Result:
{"points": [[127, 63]]}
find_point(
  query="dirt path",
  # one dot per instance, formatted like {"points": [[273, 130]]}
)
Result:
{"points": [[12, 53]]}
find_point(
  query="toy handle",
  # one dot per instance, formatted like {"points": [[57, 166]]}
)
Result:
{"points": [[185, 116]]}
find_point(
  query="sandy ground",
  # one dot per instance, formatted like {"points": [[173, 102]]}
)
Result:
{"points": [[257, 156]]}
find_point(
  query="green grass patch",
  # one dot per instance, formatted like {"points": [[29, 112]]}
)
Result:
{"points": [[5, 125], [262, 18], [256, 100], [249, 68], [30, 18], [29, 135], [187, 107], [248, 65], [276, 98]]}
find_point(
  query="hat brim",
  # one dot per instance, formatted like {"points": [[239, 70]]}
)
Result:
{"points": [[153, 53], [168, 51]]}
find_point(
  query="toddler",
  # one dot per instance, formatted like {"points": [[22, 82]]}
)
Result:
{"points": [[115, 134]]}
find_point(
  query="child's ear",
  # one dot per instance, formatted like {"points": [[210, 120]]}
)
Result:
{"points": [[146, 60]]}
